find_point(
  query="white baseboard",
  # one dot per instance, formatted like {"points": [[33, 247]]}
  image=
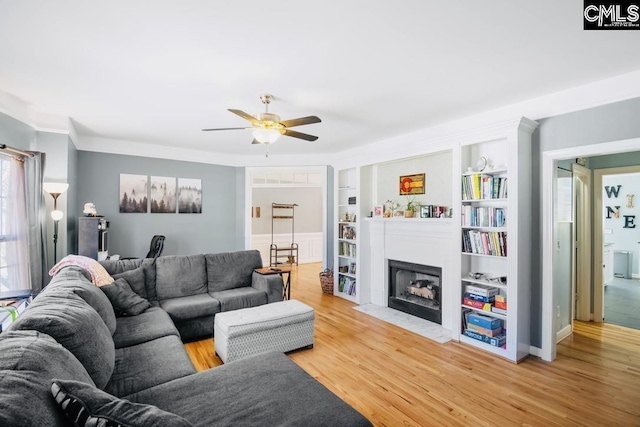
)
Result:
{"points": [[535, 351], [563, 333]]}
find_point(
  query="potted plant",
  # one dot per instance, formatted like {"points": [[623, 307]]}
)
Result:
{"points": [[412, 207]]}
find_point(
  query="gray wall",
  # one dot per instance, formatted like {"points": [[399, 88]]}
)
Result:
{"points": [[613, 122], [215, 230], [15, 133]]}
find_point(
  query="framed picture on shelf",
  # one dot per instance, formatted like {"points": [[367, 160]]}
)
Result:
{"points": [[411, 184], [378, 210], [424, 212]]}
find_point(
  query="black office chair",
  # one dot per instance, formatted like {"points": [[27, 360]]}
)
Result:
{"points": [[155, 249]]}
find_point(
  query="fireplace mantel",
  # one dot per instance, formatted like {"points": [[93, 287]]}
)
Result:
{"points": [[414, 240]]}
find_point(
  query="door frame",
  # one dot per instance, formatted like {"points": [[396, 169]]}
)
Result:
{"points": [[548, 194], [598, 233]]}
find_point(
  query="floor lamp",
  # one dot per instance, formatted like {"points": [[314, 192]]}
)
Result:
{"points": [[55, 189]]}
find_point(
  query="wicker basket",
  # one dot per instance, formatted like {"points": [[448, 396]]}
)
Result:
{"points": [[326, 281]]}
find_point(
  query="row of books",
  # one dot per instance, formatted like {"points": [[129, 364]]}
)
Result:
{"points": [[347, 285], [485, 298], [347, 249], [479, 187], [479, 216], [347, 232], [484, 242]]}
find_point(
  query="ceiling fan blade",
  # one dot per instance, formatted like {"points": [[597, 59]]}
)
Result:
{"points": [[300, 121], [255, 141], [224, 129], [300, 135], [244, 115]]}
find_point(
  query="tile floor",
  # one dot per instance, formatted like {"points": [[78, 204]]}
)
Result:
{"points": [[622, 302]]}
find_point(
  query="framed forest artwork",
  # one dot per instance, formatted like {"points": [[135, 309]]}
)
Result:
{"points": [[163, 194], [133, 193], [189, 195]]}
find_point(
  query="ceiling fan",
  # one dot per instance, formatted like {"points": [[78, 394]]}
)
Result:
{"points": [[267, 127]]}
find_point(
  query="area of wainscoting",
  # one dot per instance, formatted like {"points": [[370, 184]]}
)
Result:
{"points": [[310, 245]]}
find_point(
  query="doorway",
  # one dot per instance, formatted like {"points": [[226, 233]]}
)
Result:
{"points": [[549, 234], [617, 289]]}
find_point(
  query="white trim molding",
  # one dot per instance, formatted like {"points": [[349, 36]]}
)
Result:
{"points": [[549, 159]]}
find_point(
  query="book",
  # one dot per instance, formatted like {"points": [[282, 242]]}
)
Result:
{"points": [[485, 331], [485, 306], [497, 341], [481, 290], [484, 321], [481, 298]]}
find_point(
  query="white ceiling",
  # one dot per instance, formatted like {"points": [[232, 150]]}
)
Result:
{"points": [[157, 72]]}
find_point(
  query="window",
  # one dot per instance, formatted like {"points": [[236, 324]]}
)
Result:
{"points": [[5, 238]]}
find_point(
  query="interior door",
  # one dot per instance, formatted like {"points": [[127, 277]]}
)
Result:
{"points": [[563, 271], [582, 241]]}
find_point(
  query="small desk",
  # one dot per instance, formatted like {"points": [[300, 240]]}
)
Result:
{"points": [[281, 269]]}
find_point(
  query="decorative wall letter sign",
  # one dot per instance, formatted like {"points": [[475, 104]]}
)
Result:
{"points": [[629, 221], [612, 190], [615, 212], [629, 200]]}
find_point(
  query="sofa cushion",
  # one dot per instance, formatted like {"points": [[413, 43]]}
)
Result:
{"points": [[267, 389], [124, 299], [145, 365], [85, 405], [153, 323], [73, 323], [29, 361], [180, 276], [231, 270], [190, 307], [136, 280], [234, 299], [75, 279]]}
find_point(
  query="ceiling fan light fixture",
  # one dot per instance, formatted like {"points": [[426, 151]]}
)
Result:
{"points": [[266, 136]]}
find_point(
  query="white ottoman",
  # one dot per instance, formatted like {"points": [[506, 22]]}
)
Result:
{"points": [[282, 326]]}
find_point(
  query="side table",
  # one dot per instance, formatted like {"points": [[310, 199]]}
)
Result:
{"points": [[286, 282]]}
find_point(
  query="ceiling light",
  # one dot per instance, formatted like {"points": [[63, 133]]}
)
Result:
{"points": [[266, 136]]}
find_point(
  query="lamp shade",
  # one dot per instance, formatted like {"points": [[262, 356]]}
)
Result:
{"points": [[57, 215], [266, 136], [55, 187]]}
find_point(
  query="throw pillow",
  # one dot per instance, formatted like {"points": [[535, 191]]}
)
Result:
{"points": [[85, 405], [136, 279], [123, 299]]}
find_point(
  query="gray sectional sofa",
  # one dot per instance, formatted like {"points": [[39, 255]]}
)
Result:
{"points": [[69, 356], [192, 289]]}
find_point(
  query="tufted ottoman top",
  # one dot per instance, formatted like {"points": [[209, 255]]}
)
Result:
{"points": [[263, 317]]}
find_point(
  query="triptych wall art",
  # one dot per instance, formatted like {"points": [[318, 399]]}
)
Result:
{"points": [[159, 194]]}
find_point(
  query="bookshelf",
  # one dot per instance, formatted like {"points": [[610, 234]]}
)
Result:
{"points": [[347, 234], [495, 228], [352, 202]]}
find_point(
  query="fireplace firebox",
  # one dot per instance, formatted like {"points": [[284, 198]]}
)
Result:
{"points": [[415, 289]]}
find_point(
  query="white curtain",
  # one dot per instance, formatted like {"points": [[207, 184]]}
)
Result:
{"points": [[16, 257]]}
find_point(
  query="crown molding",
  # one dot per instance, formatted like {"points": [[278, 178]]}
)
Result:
{"points": [[440, 137], [131, 148]]}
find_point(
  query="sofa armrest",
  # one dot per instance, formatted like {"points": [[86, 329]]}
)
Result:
{"points": [[272, 284]]}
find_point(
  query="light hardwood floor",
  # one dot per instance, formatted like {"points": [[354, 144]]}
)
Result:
{"points": [[397, 378]]}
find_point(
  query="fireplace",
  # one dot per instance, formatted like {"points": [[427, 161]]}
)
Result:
{"points": [[415, 289]]}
